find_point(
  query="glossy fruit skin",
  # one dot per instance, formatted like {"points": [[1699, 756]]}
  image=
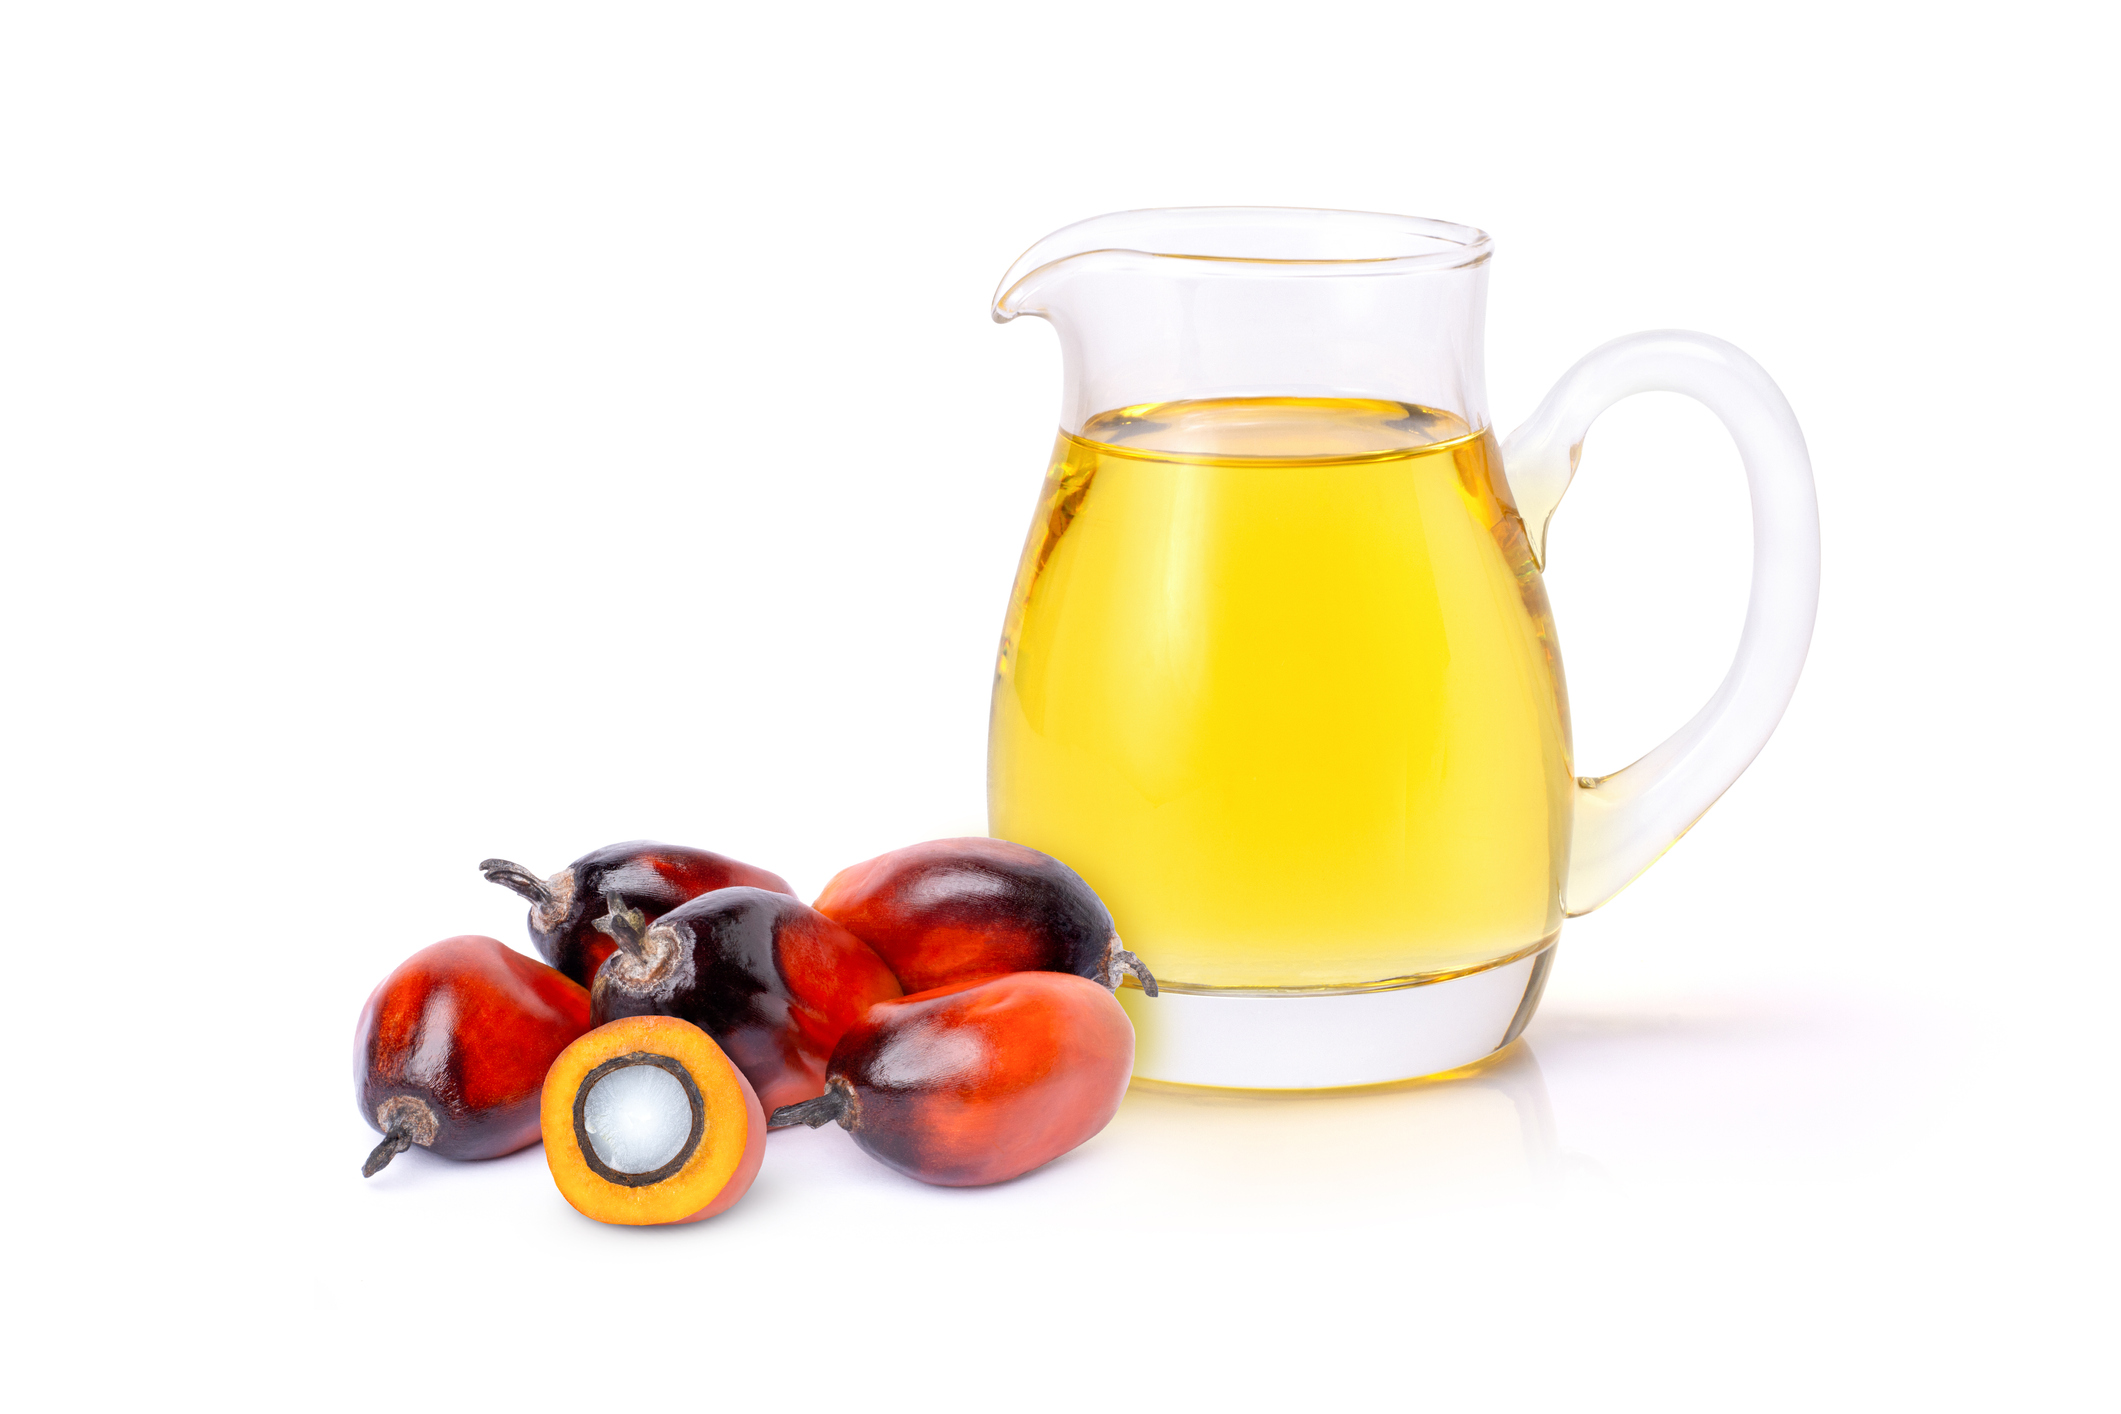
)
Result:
{"points": [[654, 878], [773, 981], [984, 1081], [957, 910], [469, 1026]]}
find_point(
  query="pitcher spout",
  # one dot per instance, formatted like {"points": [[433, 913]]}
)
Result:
{"points": [[1028, 284], [1234, 301]]}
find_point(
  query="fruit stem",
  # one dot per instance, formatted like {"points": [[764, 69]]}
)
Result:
{"points": [[1125, 961], [836, 1104], [624, 925], [513, 876], [396, 1140]]}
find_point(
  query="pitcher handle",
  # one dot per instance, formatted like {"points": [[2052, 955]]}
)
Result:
{"points": [[1625, 821]]}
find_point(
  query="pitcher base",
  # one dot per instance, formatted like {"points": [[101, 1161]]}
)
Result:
{"points": [[1283, 1042]]}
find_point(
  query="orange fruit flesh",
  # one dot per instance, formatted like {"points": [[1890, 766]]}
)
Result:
{"points": [[713, 1175]]}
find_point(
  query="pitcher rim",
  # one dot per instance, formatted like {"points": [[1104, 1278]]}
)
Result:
{"points": [[1450, 245]]}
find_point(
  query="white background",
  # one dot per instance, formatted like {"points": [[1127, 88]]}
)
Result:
{"points": [[435, 431]]}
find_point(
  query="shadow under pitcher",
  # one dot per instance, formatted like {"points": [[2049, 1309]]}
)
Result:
{"points": [[1278, 676]]}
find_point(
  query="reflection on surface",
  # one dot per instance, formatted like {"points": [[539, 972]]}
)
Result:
{"points": [[1484, 1130]]}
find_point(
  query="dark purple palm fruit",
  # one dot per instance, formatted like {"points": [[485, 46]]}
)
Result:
{"points": [[772, 980], [952, 911], [651, 877]]}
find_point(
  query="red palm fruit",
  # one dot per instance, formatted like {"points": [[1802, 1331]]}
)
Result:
{"points": [[450, 1052], [773, 981], [981, 1081], [651, 877], [955, 910]]}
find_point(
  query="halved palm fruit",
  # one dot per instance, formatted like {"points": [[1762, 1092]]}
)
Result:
{"points": [[646, 1121]]}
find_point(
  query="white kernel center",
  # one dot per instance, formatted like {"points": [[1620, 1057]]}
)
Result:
{"points": [[637, 1118]]}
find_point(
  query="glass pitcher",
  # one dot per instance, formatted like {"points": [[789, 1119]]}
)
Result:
{"points": [[1278, 677]]}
